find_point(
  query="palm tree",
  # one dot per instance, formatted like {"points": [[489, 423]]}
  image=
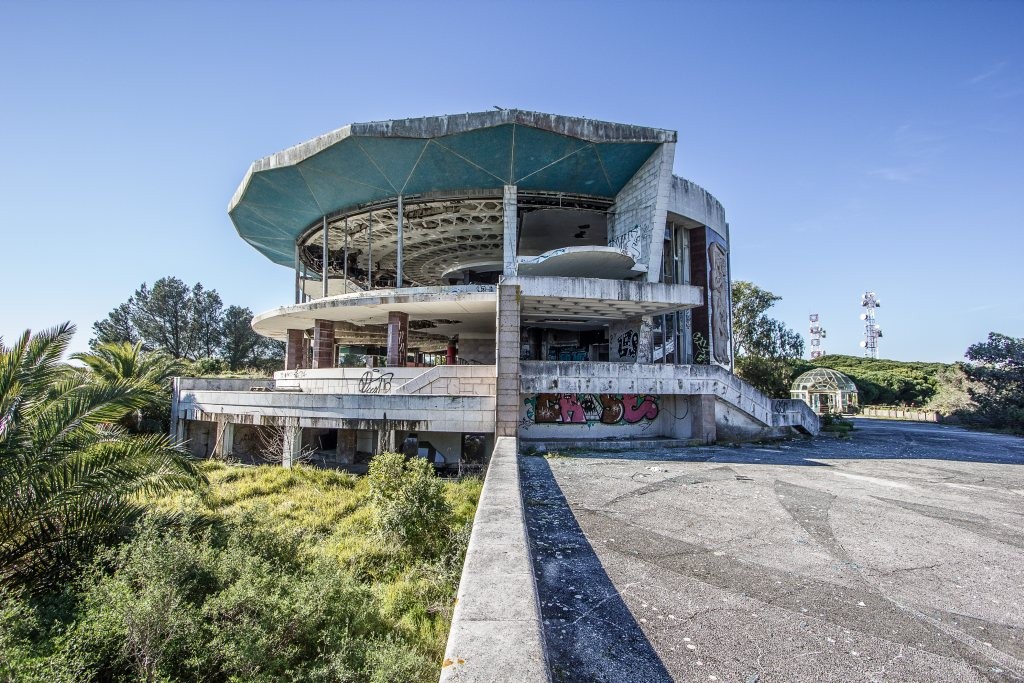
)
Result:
{"points": [[70, 476], [149, 372]]}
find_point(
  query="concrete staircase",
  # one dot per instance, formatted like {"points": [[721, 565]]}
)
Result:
{"points": [[656, 378]]}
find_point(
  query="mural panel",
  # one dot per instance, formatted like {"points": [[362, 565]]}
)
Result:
{"points": [[590, 409], [720, 346]]}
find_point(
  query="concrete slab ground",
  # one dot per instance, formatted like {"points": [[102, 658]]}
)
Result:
{"points": [[897, 555]]}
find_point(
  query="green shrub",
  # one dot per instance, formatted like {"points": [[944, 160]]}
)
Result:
{"points": [[410, 508], [272, 575]]}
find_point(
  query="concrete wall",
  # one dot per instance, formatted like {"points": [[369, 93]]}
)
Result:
{"points": [[638, 219], [496, 632], [547, 377], [479, 350], [693, 201], [610, 290], [911, 414], [455, 380], [599, 416], [344, 411]]}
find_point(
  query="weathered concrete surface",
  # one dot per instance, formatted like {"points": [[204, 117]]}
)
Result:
{"points": [[496, 633], [583, 377], [894, 556]]}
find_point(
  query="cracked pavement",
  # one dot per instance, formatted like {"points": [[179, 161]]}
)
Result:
{"points": [[897, 555]]}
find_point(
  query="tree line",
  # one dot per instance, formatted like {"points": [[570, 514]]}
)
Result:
{"points": [[189, 323], [987, 390]]}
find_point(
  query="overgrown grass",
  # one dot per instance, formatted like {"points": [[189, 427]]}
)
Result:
{"points": [[270, 574]]}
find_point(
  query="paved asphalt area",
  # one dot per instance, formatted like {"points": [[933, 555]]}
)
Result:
{"points": [[897, 555]]}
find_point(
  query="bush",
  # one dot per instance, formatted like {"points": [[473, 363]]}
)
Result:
{"points": [[411, 511], [271, 575]]}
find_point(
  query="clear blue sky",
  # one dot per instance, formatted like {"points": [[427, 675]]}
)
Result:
{"points": [[867, 145]]}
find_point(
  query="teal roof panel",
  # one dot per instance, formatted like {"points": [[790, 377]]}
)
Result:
{"points": [[580, 173], [488, 148], [440, 169], [394, 157], [285, 193]]}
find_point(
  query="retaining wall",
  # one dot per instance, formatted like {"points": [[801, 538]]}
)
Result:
{"points": [[496, 632]]}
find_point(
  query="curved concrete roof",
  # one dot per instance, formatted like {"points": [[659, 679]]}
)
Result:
{"points": [[689, 199], [283, 194]]}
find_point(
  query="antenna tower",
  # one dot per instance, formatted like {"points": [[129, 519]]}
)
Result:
{"points": [[872, 332], [817, 334]]}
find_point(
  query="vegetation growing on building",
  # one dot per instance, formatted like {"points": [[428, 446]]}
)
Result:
{"points": [[121, 559]]}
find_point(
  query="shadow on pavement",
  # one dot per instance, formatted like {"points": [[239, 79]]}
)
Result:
{"points": [[591, 634], [870, 440]]}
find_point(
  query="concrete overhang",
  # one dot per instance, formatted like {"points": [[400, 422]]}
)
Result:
{"points": [[610, 263], [448, 310], [692, 205], [283, 194], [565, 299]]}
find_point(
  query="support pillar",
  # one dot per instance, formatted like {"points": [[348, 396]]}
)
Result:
{"points": [[323, 344], [506, 410], [326, 259], [295, 352], [510, 209], [451, 354], [178, 434], [345, 453], [292, 449], [702, 408], [398, 338], [224, 445], [398, 247]]}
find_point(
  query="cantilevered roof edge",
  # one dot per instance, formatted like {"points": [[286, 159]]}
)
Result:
{"points": [[427, 127]]}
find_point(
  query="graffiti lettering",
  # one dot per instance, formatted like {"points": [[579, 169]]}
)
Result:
{"points": [[375, 382], [607, 409], [628, 344], [629, 241]]}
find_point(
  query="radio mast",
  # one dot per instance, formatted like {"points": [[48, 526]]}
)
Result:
{"points": [[817, 334], [872, 332]]}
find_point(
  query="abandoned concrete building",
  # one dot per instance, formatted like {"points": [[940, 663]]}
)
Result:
{"points": [[504, 273]]}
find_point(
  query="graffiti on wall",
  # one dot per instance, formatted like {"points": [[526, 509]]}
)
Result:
{"points": [[375, 382], [719, 304], [588, 409], [630, 241], [626, 344]]}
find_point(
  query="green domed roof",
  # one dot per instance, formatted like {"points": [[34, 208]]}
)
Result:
{"points": [[823, 379]]}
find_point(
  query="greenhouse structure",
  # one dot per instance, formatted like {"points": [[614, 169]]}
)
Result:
{"points": [[826, 391]]}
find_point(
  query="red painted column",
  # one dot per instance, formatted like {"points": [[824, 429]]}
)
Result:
{"points": [[451, 358], [295, 353], [323, 344], [398, 338]]}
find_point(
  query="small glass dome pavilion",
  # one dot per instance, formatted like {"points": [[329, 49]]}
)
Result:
{"points": [[826, 391]]}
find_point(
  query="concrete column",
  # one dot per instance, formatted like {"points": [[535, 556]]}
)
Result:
{"points": [[326, 259], [702, 407], [510, 208], [346, 450], [645, 352], [224, 445], [506, 414], [700, 317], [178, 434], [292, 445], [295, 354], [323, 344], [399, 275], [398, 338], [451, 357], [629, 341]]}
